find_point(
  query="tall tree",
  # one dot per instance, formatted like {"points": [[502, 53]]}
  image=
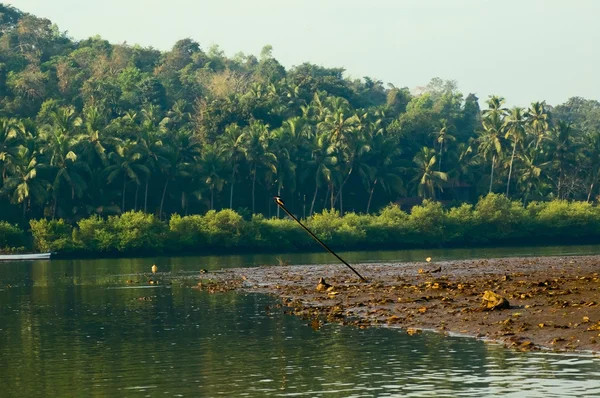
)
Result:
{"points": [[514, 125], [427, 179]]}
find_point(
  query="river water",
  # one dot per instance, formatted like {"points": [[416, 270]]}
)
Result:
{"points": [[75, 328]]}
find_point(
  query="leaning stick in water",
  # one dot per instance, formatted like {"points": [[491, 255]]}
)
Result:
{"points": [[282, 205]]}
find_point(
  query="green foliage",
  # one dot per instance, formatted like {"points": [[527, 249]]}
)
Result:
{"points": [[93, 235], [52, 235], [501, 218], [11, 236], [427, 224], [138, 232], [187, 233], [494, 220], [224, 228]]}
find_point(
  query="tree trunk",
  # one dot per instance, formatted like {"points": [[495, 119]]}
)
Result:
{"points": [[54, 207], [312, 205], [492, 173], [331, 197], [24, 207], [253, 188], [123, 197], [343, 183], [590, 191], [278, 194], [560, 178], [371, 195], [512, 158], [146, 196], [441, 155], [137, 190], [231, 189], [212, 197], [341, 201], [162, 200]]}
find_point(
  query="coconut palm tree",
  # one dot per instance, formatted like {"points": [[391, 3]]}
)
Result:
{"points": [[514, 125], [286, 169], [23, 185], [323, 159], [232, 150], [211, 169], [538, 122], [443, 139], [10, 144], [255, 138], [427, 179], [125, 163], [380, 166], [564, 147], [490, 141], [495, 106], [59, 152], [530, 173]]}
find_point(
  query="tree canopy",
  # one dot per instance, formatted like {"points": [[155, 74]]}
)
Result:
{"points": [[90, 127]]}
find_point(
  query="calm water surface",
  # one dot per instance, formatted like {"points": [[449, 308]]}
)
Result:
{"points": [[74, 328]]}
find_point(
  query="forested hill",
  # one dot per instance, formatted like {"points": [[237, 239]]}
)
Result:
{"points": [[89, 127]]}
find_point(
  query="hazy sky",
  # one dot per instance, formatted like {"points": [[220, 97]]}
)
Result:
{"points": [[524, 50]]}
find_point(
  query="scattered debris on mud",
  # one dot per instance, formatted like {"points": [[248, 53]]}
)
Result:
{"points": [[526, 303]]}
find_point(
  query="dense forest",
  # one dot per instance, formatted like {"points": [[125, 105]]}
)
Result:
{"points": [[93, 128]]}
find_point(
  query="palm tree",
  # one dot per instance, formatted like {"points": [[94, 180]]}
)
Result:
{"points": [[514, 125], [93, 150], [125, 163], [442, 138], [495, 106], [23, 185], [490, 143], [232, 150], [58, 149], [149, 143], [178, 154], [428, 179], [530, 173], [211, 168], [564, 148], [320, 165], [338, 121], [10, 143], [286, 169], [380, 167], [255, 138], [538, 122]]}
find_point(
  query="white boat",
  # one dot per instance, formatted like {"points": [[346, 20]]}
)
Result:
{"points": [[25, 256]]}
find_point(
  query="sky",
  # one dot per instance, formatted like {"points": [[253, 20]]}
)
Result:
{"points": [[523, 50]]}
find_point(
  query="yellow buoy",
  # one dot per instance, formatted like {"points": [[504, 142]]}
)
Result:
{"points": [[428, 259], [154, 269]]}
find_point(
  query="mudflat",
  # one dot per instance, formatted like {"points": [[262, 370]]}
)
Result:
{"points": [[530, 303]]}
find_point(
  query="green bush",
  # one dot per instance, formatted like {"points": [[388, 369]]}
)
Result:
{"points": [[187, 233], [11, 236], [389, 228], [463, 225], [224, 228], [93, 235], [501, 219], [52, 235], [494, 220], [138, 232], [427, 224]]}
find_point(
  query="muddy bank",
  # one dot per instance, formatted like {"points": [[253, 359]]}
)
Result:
{"points": [[553, 302]]}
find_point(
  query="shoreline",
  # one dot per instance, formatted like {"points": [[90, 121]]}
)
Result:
{"points": [[553, 302]]}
